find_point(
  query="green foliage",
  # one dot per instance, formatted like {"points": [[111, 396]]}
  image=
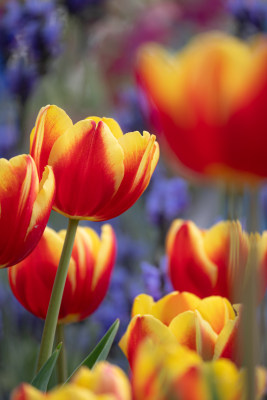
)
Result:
{"points": [[101, 350], [40, 381]]}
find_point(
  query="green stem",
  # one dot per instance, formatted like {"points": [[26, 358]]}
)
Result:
{"points": [[56, 296], [62, 372], [232, 202], [249, 323]]}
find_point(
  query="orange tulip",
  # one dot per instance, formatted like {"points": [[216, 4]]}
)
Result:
{"points": [[104, 382], [208, 101], [213, 262], [88, 276], [99, 172], [175, 372], [25, 206], [208, 326]]}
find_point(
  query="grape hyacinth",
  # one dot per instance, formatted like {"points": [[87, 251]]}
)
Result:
{"points": [[30, 34], [156, 280], [250, 16], [167, 198]]}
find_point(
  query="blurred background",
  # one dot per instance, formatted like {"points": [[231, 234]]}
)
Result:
{"points": [[80, 55]]}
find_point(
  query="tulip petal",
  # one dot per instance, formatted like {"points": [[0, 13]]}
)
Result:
{"points": [[217, 311], [50, 124], [95, 259], [113, 125], [226, 345], [32, 279], [142, 304], [189, 266], [26, 392], [41, 207], [141, 154], [81, 158], [221, 110], [173, 304], [23, 205], [141, 327], [104, 379], [191, 330]]}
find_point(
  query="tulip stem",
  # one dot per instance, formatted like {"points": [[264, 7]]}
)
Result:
{"points": [[250, 331], [56, 296], [62, 370], [232, 202]]}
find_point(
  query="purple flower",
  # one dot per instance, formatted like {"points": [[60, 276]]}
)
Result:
{"points": [[156, 279], [21, 78], [250, 16], [9, 24], [30, 34], [152, 279], [167, 198]]}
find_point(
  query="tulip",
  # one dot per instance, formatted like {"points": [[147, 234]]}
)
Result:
{"points": [[25, 206], [99, 172], [89, 273], [208, 101], [175, 372], [213, 262], [208, 326], [104, 382]]}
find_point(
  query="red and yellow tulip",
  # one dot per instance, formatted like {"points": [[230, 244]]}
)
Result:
{"points": [[208, 326], [208, 101], [159, 373], [175, 372], [25, 206], [99, 172], [89, 273], [213, 262], [104, 382]]}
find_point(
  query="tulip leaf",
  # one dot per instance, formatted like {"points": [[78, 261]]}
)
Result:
{"points": [[101, 350], [40, 381]]}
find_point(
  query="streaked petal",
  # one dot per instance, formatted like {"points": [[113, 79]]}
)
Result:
{"points": [[95, 259], [141, 327], [105, 378], [141, 154], [173, 304], [189, 266], [23, 206], [113, 125], [32, 279], [227, 343], [81, 158], [191, 330], [50, 124], [217, 311]]}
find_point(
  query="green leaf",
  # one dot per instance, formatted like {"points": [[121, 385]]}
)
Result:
{"points": [[101, 350], [40, 381]]}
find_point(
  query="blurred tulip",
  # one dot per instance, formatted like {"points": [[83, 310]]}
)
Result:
{"points": [[174, 372], [208, 101], [104, 382], [99, 172], [88, 276], [25, 207], [208, 326], [213, 262]]}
